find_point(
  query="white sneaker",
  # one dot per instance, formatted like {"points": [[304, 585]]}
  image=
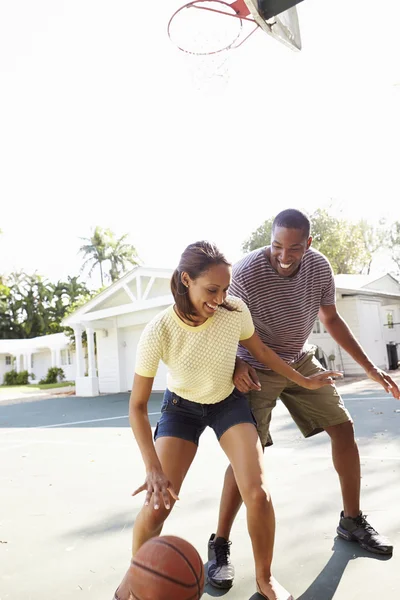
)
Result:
{"points": [[220, 570]]}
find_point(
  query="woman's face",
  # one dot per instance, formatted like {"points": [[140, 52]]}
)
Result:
{"points": [[209, 290]]}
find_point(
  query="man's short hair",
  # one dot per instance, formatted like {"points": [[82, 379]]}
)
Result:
{"points": [[293, 219]]}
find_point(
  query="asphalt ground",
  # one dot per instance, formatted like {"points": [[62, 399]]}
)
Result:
{"points": [[69, 465]]}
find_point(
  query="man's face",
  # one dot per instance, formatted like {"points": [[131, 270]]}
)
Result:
{"points": [[288, 247]]}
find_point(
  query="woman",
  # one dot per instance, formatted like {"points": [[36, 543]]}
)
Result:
{"points": [[197, 338]]}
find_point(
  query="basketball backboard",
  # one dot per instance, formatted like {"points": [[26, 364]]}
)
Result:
{"points": [[277, 18]]}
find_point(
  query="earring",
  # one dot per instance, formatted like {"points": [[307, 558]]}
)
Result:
{"points": [[186, 285]]}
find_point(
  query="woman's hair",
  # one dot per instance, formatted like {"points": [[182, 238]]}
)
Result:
{"points": [[195, 260]]}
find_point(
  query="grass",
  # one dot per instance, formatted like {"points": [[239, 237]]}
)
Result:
{"points": [[48, 386], [41, 386]]}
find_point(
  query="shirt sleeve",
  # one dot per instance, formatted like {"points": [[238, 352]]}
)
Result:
{"points": [[236, 289], [148, 353], [328, 296], [247, 325]]}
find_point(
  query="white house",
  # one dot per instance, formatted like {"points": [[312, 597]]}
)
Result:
{"points": [[371, 307], [37, 355], [118, 315]]}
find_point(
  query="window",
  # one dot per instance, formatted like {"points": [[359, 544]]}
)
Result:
{"points": [[8, 361], [317, 327], [66, 358], [389, 319]]}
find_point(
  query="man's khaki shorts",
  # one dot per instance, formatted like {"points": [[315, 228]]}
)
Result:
{"points": [[312, 410]]}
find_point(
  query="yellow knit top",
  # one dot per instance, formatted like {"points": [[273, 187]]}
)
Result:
{"points": [[200, 360]]}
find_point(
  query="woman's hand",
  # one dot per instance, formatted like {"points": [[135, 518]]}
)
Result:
{"points": [[314, 382], [158, 486], [245, 377]]}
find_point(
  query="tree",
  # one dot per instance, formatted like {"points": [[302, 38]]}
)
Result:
{"points": [[374, 237], [103, 247], [30, 306], [394, 243], [121, 255], [95, 250], [6, 315], [260, 237], [340, 241]]}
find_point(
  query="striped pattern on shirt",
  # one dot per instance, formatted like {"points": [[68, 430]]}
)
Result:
{"points": [[283, 309]]}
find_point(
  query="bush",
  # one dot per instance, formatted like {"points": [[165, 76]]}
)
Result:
{"points": [[14, 378], [23, 377], [10, 378], [54, 375]]}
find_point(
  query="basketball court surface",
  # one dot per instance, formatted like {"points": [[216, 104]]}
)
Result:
{"points": [[69, 465]]}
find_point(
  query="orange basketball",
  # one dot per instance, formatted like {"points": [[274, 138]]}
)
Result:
{"points": [[167, 568]]}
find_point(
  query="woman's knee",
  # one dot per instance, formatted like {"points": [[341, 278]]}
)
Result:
{"points": [[256, 497], [155, 518]]}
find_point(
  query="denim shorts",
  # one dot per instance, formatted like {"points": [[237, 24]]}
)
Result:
{"points": [[187, 420]]}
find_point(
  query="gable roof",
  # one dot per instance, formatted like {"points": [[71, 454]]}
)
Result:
{"points": [[131, 292], [358, 282]]}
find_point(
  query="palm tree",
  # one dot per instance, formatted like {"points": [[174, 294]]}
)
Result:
{"points": [[121, 255], [95, 250], [103, 246], [74, 289]]}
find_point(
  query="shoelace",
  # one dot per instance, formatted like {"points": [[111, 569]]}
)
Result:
{"points": [[361, 521], [222, 552]]}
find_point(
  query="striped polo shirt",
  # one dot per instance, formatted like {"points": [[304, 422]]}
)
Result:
{"points": [[284, 309]]}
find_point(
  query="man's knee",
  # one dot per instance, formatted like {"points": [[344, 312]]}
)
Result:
{"points": [[342, 433]]}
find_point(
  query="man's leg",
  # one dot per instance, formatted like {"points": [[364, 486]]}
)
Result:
{"points": [[346, 461], [315, 411]]}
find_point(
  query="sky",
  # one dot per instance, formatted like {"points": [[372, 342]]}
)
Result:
{"points": [[104, 122]]}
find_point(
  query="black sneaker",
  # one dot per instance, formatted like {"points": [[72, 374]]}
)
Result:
{"points": [[220, 571], [359, 530]]}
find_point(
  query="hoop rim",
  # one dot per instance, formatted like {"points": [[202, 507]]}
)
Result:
{"points": [[193, 4]]}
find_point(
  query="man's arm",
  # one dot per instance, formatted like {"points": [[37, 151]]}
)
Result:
{"points": [[343, 335]]}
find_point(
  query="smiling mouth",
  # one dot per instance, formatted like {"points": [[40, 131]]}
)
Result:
{"points": [[214, 308], [285, 266]]}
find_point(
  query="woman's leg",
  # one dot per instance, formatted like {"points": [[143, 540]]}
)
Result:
{"points": [[176, 456], [243, 448]]}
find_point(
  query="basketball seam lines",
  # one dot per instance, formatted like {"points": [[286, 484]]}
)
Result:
{"points": [[164, 543], [171, 579]]}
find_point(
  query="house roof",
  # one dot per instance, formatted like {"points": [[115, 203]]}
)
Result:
{"points": [[133, 291], [384, 286], [51, 341], [357, 282]]}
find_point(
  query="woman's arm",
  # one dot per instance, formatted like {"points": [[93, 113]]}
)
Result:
{"points": [[156, 483], [270, 359]]}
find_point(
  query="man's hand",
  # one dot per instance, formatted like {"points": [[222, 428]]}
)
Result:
{"points": [[245, 377], [385, 381]]}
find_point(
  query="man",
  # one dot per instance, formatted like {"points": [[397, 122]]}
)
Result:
{"points": [[286, 286]]}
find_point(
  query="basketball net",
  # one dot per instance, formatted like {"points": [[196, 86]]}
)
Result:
{"points": [[208, 73], [205, 38]]}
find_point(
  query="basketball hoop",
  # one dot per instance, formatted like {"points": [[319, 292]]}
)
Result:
{"points": [[200, 27], [206, 30]]}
